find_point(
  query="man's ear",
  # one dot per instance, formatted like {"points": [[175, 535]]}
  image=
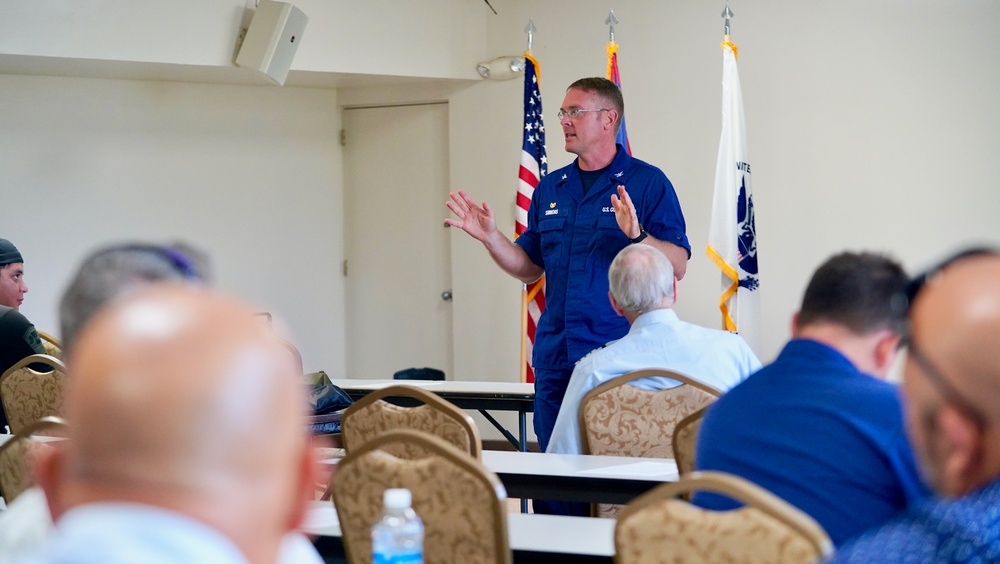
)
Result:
{"points": [[48, 472], [959, 450], [612, 119], [885, 350], [795, 324], [308, 475], [614, 305]]}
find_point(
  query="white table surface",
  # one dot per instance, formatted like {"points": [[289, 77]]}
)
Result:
{"points": [[546, 464], [460, 386], [4, 437], [539, 533]]}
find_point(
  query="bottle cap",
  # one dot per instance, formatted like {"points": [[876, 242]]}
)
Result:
{"points": [[397, 498]]}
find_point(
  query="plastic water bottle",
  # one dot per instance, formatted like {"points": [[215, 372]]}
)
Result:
{"points": [[398, 537]]}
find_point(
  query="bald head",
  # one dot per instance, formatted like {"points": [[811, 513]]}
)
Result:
{"points": [[955, 319], [180, 399], [952, 374]]}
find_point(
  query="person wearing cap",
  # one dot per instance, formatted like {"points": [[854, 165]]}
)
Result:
{"points": [[18, 337]]}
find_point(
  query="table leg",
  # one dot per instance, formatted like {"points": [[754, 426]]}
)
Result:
{"points": [[523, 432], [505, 432]]}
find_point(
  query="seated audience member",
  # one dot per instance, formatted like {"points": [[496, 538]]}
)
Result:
{"points": [[117, 271], [818, 427], [951, 380], [187, 441], [105, 275], [18, 338], [643, 291]]}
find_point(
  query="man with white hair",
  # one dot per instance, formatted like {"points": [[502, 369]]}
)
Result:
{"points": [[643, 291]]}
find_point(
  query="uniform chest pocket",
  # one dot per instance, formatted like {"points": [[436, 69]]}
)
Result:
{"points": [[551, 232], [608, 238]]}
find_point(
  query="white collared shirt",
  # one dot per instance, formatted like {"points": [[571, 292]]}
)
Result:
{"points": [[657, 339]]}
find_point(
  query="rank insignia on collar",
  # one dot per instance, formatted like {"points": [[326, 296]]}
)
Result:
{"points": [[564, 177], [619, 174]]}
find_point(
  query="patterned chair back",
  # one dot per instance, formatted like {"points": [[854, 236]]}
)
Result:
{"points": [[15, 454], [657, 527], [372, 416], [28, 395], [685, 441], [460, 502], [53, 347], [617, 419]]}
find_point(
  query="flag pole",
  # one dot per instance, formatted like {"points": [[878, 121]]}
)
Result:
{"points": [[727, 14], [611, 21], [530, 30]]}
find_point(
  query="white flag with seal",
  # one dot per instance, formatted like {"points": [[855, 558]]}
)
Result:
{"points": [[732, 238]]}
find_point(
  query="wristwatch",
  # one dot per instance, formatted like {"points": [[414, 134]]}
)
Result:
{"points": [[642, 235]]}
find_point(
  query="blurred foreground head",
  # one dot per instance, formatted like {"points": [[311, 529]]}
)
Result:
{"points": [[118, 270], [952, 374], [180, 400]]}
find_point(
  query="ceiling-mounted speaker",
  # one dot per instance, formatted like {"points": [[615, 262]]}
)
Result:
{"points": [[274, 36]]}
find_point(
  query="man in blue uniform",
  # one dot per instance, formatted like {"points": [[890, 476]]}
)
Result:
{"points": [[580, 217]]}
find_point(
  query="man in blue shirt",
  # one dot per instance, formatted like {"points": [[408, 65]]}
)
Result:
{"points": [[580, 217], [818, 427], [951, 380]]}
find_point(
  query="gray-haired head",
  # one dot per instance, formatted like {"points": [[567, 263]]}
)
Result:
{"points": [[641, 279], [116, 271]]}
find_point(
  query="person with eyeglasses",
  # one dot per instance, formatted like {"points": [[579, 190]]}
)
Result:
{"points": [[819, 427], [951, 382], [580, 216]]}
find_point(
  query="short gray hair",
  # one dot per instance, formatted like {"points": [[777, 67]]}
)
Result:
{"points": [[641, 279], [112, 272]]}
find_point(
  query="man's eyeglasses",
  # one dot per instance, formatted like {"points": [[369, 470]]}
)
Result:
{"points": [[575, 112], [936, 377]]}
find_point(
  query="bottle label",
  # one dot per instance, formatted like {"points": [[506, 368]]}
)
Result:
{"points": [[415, 557]]}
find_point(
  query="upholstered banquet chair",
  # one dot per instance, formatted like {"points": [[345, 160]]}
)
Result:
{"points": [[460, 502], [15, 470], [29, 395], [657, 527], [685, 441], [373, 415], [621, 420], [53, 346]]}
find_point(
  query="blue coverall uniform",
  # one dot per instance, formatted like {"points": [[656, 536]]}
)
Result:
{"points": [[574, 237]]}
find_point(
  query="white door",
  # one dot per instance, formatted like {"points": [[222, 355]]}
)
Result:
{"points": [[398, 250]]}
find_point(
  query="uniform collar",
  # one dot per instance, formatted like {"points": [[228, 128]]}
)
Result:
{"points": [[617, 171]]}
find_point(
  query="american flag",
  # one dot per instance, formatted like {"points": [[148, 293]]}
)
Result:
{"points": [[534, 165], [613, 76]]}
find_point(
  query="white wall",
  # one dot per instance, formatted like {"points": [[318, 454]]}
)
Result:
{"points": [[251, 174]]}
